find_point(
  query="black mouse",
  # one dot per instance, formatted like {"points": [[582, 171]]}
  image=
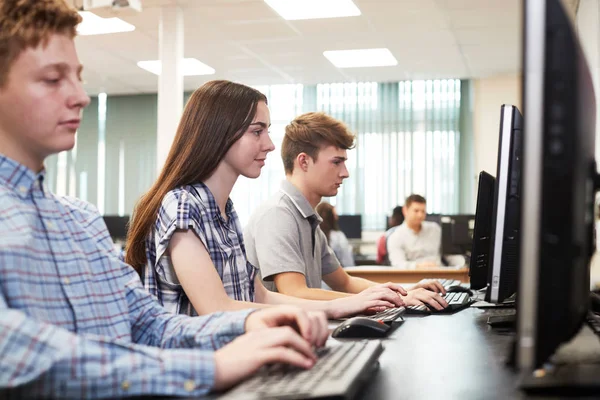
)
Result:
{"points": [[460, 289], [361, 327]]}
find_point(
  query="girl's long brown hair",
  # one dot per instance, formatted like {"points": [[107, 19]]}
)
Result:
{"points": [[216, 116], [329, 223]]}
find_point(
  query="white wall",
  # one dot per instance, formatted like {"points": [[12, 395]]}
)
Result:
{"points": [[489, 94]]}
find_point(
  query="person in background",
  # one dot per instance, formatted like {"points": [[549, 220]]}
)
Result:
{"points": [[416, 243], [283, 237], [75, 322], [336, 239], [395, 220], [185, 237]]}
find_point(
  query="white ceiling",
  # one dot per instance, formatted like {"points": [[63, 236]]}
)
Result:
{"points": [[246, 41]]}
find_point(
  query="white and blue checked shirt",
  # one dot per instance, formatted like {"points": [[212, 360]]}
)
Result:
{"points": [[194, 207], [74, 321]]}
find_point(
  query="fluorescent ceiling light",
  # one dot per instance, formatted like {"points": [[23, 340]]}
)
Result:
{"points": [[313, 9], [361, 58], [95, 25], [190, 66]]}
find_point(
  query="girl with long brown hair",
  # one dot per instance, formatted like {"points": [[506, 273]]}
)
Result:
{"points": [[185, 239]]}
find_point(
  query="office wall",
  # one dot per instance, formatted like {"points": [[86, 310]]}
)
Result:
{"points": [[489, 94]]}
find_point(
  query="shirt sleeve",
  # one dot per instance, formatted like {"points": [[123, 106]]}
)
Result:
{"points": [[177, 212], [153, 325], [277, 246], [40, 360]]}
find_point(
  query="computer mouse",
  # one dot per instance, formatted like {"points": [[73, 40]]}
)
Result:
{"points": [[361, 327], [458, 288]]}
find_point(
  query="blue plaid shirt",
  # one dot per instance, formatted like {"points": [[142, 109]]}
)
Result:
{"points": [[194, 207], [75, 322]]}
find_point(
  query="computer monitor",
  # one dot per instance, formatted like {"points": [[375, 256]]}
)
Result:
{"points": [[437, 218], [457, 234], [117, 226], [559, 176], [506, 216], [482, 232], [351, 225]]}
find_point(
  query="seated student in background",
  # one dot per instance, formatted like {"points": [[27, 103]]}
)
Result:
{"points": [[185, 237], [283, 237], [75, 322], [394, 221], [335, 237], [416, 243]]}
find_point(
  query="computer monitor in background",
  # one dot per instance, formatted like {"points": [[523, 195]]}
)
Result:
{"points": [[482, 232], [506, 220], [457, 234], [117, 226], [351, 225], [559, 175], [437, 218]]}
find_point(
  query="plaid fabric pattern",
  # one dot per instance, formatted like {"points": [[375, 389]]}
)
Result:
{"points": [[194, 207], [75, 322]]}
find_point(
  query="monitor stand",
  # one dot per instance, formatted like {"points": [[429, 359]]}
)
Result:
{"points": [[574, 369], [564, 380]]}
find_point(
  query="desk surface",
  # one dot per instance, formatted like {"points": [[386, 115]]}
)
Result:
{"points": [[446, 356], [384, 274]]}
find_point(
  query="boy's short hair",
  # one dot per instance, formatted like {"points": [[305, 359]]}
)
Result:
{"points": [[414, 198], [27, 23], [310, 132]]}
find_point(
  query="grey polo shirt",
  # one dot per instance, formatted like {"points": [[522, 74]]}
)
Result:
{"points": [[283, 235]]}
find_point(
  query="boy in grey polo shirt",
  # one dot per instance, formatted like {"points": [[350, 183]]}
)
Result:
{"points": [[283, 238]]}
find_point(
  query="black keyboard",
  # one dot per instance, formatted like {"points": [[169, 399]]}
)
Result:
{"points": [[339, 372], [456, 302], [388, 316]]}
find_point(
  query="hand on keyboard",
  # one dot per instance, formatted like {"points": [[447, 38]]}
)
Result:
{"points": [[311, 325], [249, 352], [430, 284], [419, 296], [374, 299]]}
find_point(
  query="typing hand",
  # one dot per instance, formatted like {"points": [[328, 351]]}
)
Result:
{"points": [[430, 284], [374, 299], [420, 296], [312, 325], [247, 353]]}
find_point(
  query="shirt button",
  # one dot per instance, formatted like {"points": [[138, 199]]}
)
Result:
{"points": [[189, 385], [67, 281], [22, 189], [125, 385], [50, 225]]}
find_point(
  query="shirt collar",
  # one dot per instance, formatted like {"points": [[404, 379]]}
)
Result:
{"points": [[18, 177], [299, 200], [207, 196]]}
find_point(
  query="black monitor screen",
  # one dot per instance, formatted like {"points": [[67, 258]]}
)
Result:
{"points": [[506, 220], [117, 226], [480, 255], [559, 176], [351, 225], [457, 234]]}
